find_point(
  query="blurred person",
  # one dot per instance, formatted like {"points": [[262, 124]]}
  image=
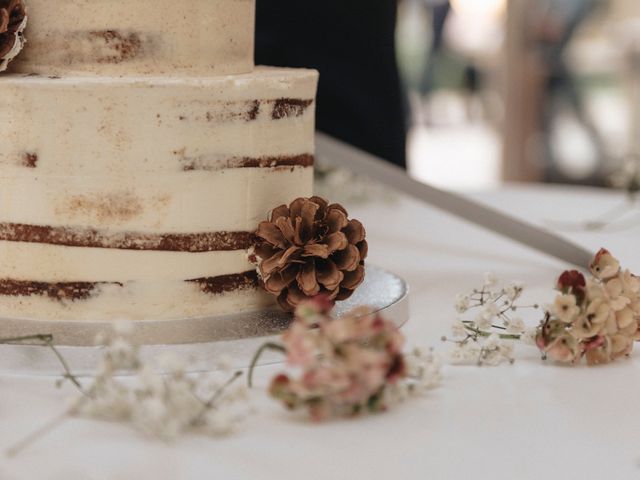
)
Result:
{"points": [[552, 30], [439, 10], [352, 44]]}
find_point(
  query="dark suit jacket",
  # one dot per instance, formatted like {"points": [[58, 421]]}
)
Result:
{"points": [[351, 43]]}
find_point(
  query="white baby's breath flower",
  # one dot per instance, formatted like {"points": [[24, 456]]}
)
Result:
{"points": [[514, 290], [492, 341], [424, 369], [528, 337], [123, 354], [465, 354], [490, 279], [462, 303], [515, 325], [458, 329], [171, 363]]}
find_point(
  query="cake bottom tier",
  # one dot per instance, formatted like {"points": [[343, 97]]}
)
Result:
{"points": [[136, 300]]}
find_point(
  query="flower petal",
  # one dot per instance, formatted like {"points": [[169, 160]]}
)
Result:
{"points": [[272, 234]]}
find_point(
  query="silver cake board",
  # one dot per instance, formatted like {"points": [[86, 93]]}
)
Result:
{"points": [[199, 341]]}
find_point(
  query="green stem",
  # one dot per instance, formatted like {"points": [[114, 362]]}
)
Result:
{"points": [[41, 337], [276, 347], [218, 393], [46, 340], [502, 336]]}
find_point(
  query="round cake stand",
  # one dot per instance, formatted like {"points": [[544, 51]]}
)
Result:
{"points": [[201, 341]]}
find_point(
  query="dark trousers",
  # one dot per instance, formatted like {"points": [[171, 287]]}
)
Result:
{"points": [[352, 44]]}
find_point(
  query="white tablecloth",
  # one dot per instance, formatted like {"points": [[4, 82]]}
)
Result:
{"points": [[530, 420]]}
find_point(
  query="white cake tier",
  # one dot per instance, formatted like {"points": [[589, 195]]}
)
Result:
{"points": [[137, 197], [143, 37], [108, 126]]}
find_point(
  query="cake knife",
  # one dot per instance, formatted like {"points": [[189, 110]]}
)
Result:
{"points": [[339, 154]]}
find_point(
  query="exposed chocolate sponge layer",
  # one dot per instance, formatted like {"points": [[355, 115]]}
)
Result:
{"points": [[84, 290], [304, 160], [87, 237], [289, 107], [56, 291], [228, 283]]}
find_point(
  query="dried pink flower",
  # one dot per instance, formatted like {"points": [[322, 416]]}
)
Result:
{"points": [[598, 318], [346, 364]]}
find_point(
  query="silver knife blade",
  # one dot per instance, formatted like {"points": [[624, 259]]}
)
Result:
{"points": [[339, 154]]}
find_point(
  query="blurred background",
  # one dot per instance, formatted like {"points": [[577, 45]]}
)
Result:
{"points": [[520, 90]]}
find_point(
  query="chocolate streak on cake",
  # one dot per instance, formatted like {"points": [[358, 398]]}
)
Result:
{"points": [[304, 160], [30, 160], [124, 46], [55, 291], [289, 107], [77, 291], [85, 237], [228, 283]]}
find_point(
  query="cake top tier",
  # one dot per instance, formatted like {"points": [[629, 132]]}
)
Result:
{"points": [[141, 37]]}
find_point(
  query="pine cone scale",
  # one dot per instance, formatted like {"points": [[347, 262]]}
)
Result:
{"points": [[347, 259], [286, 229], [336, 220], [316, 250], [271, 234], [336, 241], [4, 20], [307, 280]]}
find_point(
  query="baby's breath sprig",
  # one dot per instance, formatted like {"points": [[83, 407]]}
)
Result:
{"points": [[487, 339], [159, 405]]}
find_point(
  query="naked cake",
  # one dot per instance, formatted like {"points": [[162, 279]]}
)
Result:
{"points": [[140, 150]]}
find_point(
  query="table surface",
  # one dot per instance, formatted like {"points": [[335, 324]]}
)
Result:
{"points": [[527, 420]]}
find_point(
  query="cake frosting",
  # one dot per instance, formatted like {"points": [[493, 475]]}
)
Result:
{"points": [[149, 37], [132, 189]]}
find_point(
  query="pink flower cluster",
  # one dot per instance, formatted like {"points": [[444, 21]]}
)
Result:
{"points": [[346, 364], [598, 318]]}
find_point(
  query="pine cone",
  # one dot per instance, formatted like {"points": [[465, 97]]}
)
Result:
{"points": [[13, 20], [310, 248]]}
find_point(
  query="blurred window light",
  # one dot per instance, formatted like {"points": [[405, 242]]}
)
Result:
{"points": [[477, 26], [475, 8]]}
